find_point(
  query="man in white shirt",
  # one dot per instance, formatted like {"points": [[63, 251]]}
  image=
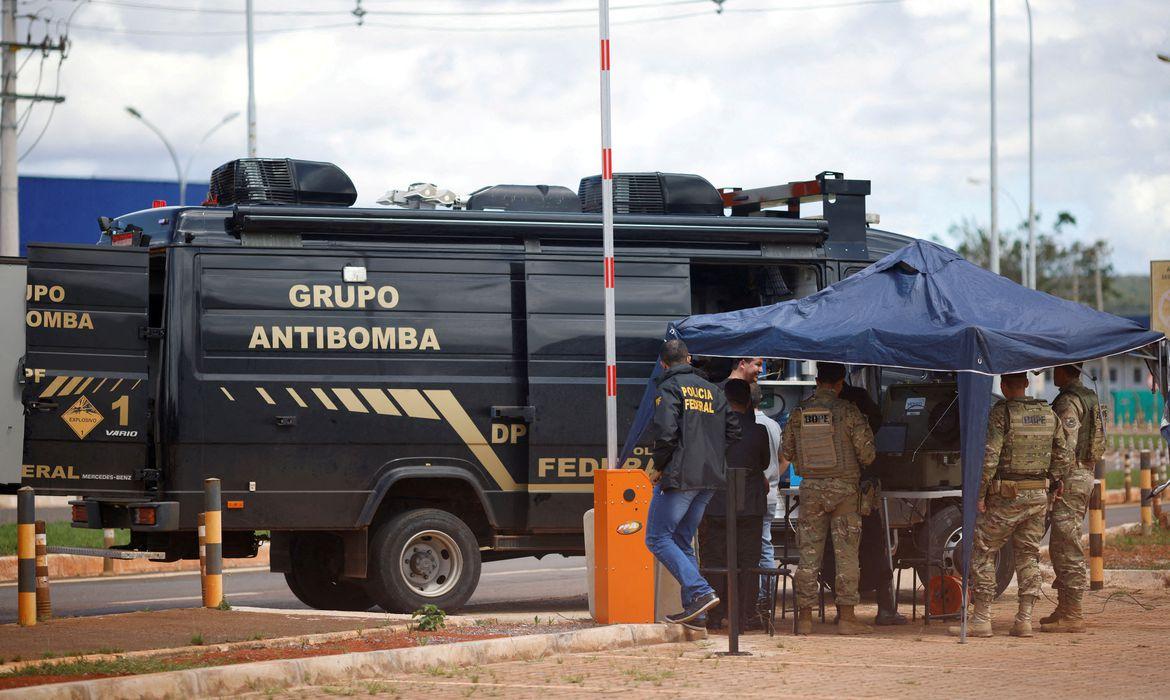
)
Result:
{"points": [[767, 552]]}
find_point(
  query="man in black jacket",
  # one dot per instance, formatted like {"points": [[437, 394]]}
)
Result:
{"points": [[692, 428], [750, 452]]}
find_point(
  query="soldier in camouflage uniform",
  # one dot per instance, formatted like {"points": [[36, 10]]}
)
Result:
{"points": [[828, 440], [1025, 446], [1079, 413]]}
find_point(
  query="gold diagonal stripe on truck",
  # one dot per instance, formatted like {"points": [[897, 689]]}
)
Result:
{"points": [[119, 383], [454, 414], [413, 403], [68, 388], [101, 384], [226, 393], [296, 397], [264, 395], [324, 399], [53, 386], [87, 382], [379, 402], [350, 400]]}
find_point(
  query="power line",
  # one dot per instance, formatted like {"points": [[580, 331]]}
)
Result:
{"points": [[397, 13], [497, 28]]}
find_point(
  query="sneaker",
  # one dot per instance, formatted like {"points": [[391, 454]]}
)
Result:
{"points": [[697, 624], [697, 607]]}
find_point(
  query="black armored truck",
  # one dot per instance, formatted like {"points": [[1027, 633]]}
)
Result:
{"points": [[395, 394]]}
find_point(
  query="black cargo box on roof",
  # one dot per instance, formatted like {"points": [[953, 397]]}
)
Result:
{"points": [[552, 198], [281, 181], [654, 193]]}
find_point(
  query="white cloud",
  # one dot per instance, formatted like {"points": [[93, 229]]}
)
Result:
{"points": [[893, 93]]}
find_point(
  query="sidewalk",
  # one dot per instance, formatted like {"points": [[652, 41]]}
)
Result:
{"points": [[909, 661]]}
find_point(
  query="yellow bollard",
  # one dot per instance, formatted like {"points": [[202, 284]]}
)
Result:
{"points": [[44, 605], [1146, 487], [213, 545], [1128, 477], [1097, 529], [108, 541], [26, 557]]}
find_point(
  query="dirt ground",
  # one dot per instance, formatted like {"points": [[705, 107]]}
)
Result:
{"points": [[218, 627], [162, 629], [904, 662]]}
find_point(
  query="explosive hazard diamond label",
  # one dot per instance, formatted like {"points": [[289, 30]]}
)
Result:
{"points": [[82, 417]]}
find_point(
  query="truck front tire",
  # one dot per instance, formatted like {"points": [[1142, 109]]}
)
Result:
{"points": [[422, 557], [315, 575]]}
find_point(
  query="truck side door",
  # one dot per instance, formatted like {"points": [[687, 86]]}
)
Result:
{"points": [[566, 369]]}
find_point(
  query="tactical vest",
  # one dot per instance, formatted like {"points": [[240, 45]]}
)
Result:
{"points": [[1031, 424], [823, 450], [1091, 437]]}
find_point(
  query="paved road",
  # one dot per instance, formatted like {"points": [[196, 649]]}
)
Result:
{"points": [[550, 584]]}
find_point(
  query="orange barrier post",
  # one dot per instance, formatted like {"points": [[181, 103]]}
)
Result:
{"points": [[623, 568]]}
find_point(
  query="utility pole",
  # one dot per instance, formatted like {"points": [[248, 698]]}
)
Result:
{"points": [[251, 83], [1030, 268], [9, 187], [993, 233], [9, 172], [1104, 381]]}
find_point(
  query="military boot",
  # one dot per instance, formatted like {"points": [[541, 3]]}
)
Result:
{"points": [[1022, 627], [1073, 619], [804, 621], [847, 622], [979, 624], [1058, 614]]}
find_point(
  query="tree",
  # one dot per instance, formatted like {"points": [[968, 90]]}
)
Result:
{"points": [[1062, 270]]}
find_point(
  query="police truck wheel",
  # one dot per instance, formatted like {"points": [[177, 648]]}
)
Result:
{"points": [[423, 557], [946, 531], [316, 578]]}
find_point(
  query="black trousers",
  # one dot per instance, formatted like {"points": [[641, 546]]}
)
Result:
{"points": [[713, 553], [875, 564]]}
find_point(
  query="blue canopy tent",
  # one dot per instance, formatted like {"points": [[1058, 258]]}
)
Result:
{"points": [[922, 307]]}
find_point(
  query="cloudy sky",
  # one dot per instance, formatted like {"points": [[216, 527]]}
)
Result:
{"points": [[465, 93]]}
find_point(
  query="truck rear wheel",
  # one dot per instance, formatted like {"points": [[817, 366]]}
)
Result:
{"points": [[946, 531], [315, 578], [423, 557]]}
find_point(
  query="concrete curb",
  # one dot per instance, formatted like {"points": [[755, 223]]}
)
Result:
{"points": [[1137, 578], [221, 681]]}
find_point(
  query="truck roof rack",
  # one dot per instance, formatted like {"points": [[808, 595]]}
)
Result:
{"points": [[842, 201]]}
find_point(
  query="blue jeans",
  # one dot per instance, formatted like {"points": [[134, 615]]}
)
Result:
{"points": [[670, 528], [767, 551]]}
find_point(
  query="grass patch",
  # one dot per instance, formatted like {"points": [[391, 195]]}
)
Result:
{"points": [[1133, 551], [109, 667], [60, 534], [1159, 536]]}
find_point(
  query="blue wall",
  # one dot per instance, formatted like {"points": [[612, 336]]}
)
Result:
{"points": [[65, 209]]}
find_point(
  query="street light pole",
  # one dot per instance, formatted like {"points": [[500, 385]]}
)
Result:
{"points": [[993, 233], [180, 172], [190, 159], [1030, 274], [170, 149], [251, 83]]}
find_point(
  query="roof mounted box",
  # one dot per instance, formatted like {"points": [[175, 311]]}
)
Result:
{"points": [[654, 193], [281, 181]]}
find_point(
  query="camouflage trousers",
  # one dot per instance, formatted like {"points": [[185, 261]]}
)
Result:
{"points": [[1068, 516], [828, 505], [1020, 519]]}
